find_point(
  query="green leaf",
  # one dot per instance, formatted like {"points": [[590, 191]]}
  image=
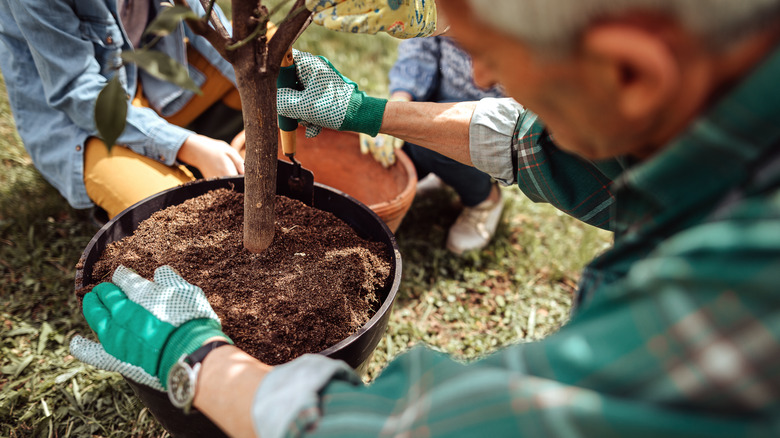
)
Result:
{"points": [[111, 112], [167, 20], [162, 67]]}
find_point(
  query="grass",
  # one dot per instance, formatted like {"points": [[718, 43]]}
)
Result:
{"points": [[519, 289]]}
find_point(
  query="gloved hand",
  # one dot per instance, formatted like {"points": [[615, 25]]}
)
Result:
{"points": [[144, 327], [328, 99], [382, 147], [401, 19]]}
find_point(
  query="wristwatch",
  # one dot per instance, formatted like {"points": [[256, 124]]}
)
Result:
{"points": [[183, 376]]}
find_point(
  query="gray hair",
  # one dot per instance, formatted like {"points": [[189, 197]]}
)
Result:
{"points": [[555, 24]]}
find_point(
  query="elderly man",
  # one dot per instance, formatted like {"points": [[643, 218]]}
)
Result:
{"points": [[665, 116]]}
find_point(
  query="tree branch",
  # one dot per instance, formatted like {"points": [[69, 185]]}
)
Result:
{"points": [[208, 6], [217, 36], [289, 29]]}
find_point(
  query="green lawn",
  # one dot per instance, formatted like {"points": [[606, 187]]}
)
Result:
{"points": [[517, 290]]}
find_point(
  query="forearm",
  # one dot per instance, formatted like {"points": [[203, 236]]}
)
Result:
{"points": [[227, 385], [441, 127]]}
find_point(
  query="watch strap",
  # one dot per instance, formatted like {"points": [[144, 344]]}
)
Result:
{"points": [[198, 355], [187, 338]]}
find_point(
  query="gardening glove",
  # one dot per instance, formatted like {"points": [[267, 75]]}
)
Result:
{"points": [[382, 147], [328, 99], [401, 19], [144, 327]]}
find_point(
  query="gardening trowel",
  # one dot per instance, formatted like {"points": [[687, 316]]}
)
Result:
{"points": [[294, 180]]}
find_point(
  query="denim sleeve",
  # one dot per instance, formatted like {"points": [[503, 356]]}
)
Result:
{"points": [[74, 61], [416, 70]]}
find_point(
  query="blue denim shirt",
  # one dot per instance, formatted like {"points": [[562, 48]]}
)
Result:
{"points": [[436, 70], [56, 56]]}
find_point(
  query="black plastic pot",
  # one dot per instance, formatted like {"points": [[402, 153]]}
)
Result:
{"points": [[356, 350]]}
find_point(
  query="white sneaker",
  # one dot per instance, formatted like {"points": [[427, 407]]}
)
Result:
{"points": [[428, 185], [475, 226]]}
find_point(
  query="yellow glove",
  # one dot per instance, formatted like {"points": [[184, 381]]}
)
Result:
{"points": [[382, 147], [399, 18]]}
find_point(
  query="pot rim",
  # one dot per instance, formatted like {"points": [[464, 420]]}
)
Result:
{"points": [[411, 184]]}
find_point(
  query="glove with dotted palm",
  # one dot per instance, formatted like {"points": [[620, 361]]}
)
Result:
{"points": [[144, 327], [328, 99]]}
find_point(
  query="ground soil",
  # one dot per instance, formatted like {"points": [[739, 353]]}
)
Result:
{"points": [[314, 286]]}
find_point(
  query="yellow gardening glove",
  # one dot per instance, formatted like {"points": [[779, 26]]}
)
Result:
{"points": [[382, 147], [399, 18]]}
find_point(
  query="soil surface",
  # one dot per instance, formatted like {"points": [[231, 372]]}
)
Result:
{"points": [[315, 285]]}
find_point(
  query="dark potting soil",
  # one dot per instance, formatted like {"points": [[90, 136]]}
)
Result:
{"points": [[314, 286]]}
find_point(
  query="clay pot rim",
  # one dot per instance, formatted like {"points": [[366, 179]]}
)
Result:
{"points": [[411, 184]]}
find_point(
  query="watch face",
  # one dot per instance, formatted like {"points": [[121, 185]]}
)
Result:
{"points": [[181, 388]]}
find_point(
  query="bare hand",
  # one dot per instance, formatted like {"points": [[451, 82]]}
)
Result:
{"points": [[214, 158], [239, 143]]}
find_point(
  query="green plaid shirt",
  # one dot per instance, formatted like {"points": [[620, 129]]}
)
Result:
{"points": [[676, 328]]}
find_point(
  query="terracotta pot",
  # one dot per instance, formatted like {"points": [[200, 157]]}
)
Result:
{"points": [[336, 161], [356, 350]]}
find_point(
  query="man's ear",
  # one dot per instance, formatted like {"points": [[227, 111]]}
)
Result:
{"points": [[636, 67]]}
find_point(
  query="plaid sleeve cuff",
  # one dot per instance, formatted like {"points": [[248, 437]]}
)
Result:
{"points": [[490, 137], [288, 400]]}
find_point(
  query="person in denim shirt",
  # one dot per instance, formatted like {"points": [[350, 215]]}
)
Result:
{"points": [[57, 56], [435, 69]]}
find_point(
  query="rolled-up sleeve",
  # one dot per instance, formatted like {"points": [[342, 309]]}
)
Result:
{"points": [[491, 134], [289, 397], [511, 144]]}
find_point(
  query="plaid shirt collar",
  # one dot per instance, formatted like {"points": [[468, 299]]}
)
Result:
{"points": [[715, 154]]}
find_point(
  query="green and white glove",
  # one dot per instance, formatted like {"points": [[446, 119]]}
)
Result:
{"points": [[382, 147], [399, 18], [328, 99], [144, 327]]}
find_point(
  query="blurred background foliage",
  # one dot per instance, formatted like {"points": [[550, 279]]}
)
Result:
{"points": [[519, 289]]}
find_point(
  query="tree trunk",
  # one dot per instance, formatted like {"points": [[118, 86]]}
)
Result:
{"points": [[256, 63], [258, 97]]}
